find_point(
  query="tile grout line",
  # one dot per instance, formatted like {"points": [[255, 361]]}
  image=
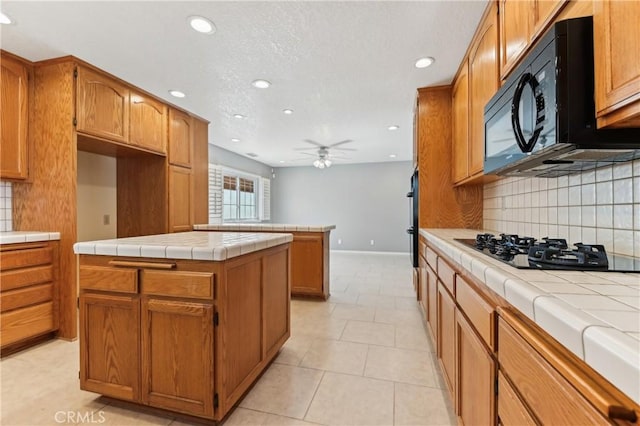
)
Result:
{"points": [[315, 391]]}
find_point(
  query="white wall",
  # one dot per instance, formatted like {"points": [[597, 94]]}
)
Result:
{"points": [[235, 161], [97, 196], [365, 202]]}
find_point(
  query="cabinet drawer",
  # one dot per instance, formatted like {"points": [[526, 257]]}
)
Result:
{"points": [[544, 390], [22, 297], [432, 259], [26, 277], [511, 410], [23, 323], [480, 313], [14, 259], [447, 275], [108, 279], [179, 284]]}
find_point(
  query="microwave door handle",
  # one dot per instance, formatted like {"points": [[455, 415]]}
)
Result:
{"points": [[527, 79]]}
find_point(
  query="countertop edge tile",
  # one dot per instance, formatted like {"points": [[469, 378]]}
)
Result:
{"points": [[16, 237], [257, 227]]}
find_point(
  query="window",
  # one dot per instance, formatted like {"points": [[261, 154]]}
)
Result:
{"points": [[239, 198]]}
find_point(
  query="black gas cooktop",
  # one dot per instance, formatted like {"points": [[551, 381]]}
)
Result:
{"points": [[550, 253]]}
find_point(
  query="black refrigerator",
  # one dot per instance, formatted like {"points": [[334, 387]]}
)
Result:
{"points": [[413, 218]]}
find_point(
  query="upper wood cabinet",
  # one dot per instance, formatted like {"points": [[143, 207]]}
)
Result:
{"points": [[617, 63], [180, 197], [180, 138], [521, 23], [483, 84], [102, 106], [460, 123], [14, 110], [148, 123]]}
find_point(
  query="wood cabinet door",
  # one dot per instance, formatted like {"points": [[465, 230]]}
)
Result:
{"points": [[432, 302], [102, 107], [275, 303], [180, 138], [545, 12], [512, 411], [617, 63], [424, 283], [14, 118], [306, 265], [460, 123], [148, 123], [515, 22], [110, 345], [475, 376], [180, 199], [483, 84], [446, 338], [177, 356]]}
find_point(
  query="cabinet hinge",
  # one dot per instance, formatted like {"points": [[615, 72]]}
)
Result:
{"points": [[75, 73], [78, 302], [78, 374], [495, 386], [216, 319], [215, 400], [75, 122], [215, 286]]}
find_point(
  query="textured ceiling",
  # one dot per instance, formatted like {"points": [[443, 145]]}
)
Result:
{"points": [[345, 68]]}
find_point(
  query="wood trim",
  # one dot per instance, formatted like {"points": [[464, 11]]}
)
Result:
{"points": [[148, 265]]}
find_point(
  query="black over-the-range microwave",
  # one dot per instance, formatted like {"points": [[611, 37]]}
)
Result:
{"points": [[542, 120]]}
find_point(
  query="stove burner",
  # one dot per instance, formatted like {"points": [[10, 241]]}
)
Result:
{"points": [[558, 256], [508, 246]]}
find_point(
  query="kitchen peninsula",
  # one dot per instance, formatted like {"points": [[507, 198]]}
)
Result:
{"points": [[184, 322], [309, 253]]}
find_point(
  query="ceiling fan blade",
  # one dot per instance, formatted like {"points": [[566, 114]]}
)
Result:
{"points": [[344, 149], [340, 143], [304, 149], [308, 153], [313, 143]]}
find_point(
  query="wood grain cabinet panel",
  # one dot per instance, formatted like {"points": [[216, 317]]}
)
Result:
{"points": [[460, 123], [617, 63], [110, 345], [102, 107], [544, 12], [432, 302], [276, 300], [475, 376], [177, 356], [306, 265], [483, 84], [424, 287], [180, 138], [446, 341], [148, 123], [14, 118], [515, 32], [180, 207], [511, 409]]}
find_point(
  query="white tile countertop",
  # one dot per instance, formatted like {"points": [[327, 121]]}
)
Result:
{"points": [[14, 237], [596, 315], [185, 245], [263, 227]]}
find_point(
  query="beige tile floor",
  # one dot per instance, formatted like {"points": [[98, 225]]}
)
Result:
{"points": [[361, 358]]}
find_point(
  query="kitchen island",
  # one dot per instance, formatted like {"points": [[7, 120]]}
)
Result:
{"points": [[309, 253], [184, 322], [541, 346]]}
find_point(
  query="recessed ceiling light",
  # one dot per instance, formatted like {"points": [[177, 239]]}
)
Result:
{"points": [[202, 24], [392, 156], [239, 116], [261, 84], [4, 19], [177, 93], [287, 111], [424, 62], [281, 161], [393, 127], [235, 140]]}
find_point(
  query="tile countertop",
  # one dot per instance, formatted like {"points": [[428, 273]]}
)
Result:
{"points": [[263, 227], [596, 315], [15, 237], [185, 245]]}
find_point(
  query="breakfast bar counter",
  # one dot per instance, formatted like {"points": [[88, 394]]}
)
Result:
{"points": [[183, 322], [309, 253]]}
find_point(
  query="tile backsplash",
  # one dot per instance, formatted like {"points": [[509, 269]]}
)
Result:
{"points": [[600, 206], [6, 218]]}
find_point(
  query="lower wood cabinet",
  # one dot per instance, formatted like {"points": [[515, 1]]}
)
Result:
{"points": [[310, 264], [110, 349], [511, 409], [446, 307], [176, 334], [29, 291], [475, 376], [186, 336]]}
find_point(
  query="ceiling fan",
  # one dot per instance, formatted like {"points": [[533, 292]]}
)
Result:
{"points": [[325, 159]]}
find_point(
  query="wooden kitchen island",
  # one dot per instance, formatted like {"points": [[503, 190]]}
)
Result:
{"points": [[309, 253], [184, 322]]}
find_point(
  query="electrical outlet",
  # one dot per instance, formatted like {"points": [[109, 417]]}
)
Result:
{"points": [[339, 241], [106, 219], [372, 242]]}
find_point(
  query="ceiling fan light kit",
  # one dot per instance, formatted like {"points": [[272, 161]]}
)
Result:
{"points": [[321, 163]]}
